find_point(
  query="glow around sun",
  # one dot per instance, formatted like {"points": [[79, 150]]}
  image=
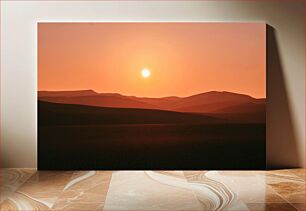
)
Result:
{"points": [[145, 73]]}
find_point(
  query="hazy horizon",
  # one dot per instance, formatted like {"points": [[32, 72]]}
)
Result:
{"points": [[76, 90], [184, 59]]}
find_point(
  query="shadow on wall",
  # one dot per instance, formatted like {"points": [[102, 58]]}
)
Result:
{"points": [[281, 146]]}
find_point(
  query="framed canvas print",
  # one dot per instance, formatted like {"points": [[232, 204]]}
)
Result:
{"points": [[183, 95]]}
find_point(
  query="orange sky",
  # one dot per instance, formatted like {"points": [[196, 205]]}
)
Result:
{"points": [[184, 58]]}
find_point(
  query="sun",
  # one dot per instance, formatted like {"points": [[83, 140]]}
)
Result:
{"points": [[145, 73]]}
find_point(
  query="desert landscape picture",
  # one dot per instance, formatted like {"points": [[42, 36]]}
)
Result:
{"points": [[151, 96]]}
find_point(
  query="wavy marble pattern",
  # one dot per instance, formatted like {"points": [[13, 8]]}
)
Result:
{"points": [[147, 190], [86, 191], [21, 201], [39, 192], [11, 180], [241, 183], [290, 184], [27, 189], [212, 194]]}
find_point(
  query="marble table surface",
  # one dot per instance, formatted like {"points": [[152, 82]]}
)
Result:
{"points": [[29, 189]]}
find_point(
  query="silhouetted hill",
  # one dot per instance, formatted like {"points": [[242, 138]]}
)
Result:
{"points": [[232, 105], [214, 102], [135, 138], [165, 103], [69, 114], [101, 100], [74, 93]]}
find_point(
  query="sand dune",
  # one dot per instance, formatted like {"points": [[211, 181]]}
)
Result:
{"points": [[69, 114], [76, 93], [226, 105], [101, 100], [131, 138]]}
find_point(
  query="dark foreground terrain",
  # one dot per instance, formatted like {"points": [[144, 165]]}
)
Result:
{"points": [[84, 137]]}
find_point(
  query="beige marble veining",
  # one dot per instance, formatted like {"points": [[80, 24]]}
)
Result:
{"points": [[85, 191], [193, 175], [21, 201], [40, 191], [177, 174], [288, 185], [276, 176], [277, 190], [249, 187], [290, 191], [12, 179], [299, 172], [213, 194], [271, 196], [148, 190]]}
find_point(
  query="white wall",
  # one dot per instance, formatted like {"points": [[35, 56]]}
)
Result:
{"points": [[286, 80]]}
